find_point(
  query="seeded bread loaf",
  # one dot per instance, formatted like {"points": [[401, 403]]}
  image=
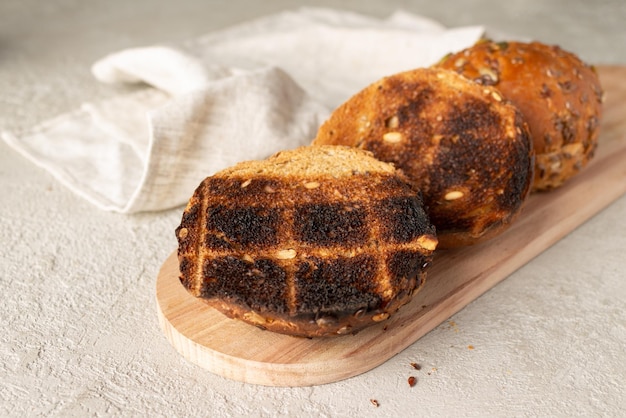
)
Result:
{"points": [[558, 94], [317, 241], [463, 145]]}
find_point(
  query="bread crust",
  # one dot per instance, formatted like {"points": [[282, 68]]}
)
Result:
{"points": [[463, 145], [559, 95], [317, 241]]}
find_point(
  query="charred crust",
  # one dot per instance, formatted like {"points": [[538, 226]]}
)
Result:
{"points": [[190, 216], [415, 98], [331, 224], [521, 163], [186, 267], [260, 285], [214, 242], [406, 268], [471, 126], [336, 285], [218, 186], [403, 219], [186, 231], [304, 255], [244, 226], [472, 119]]}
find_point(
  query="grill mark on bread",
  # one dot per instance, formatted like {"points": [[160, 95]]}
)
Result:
{"points": [[188, 235], [377, 225], [289, 243], [332, 251], [194, 224], [202, 236], [402, 220], [315, 242]]}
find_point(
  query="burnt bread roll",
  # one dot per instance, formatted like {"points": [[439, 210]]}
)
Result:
{"points": [[559, 95], [463, 145], [316, 241]]}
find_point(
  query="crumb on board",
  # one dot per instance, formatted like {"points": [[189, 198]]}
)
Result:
{"points": [[453, 326]]}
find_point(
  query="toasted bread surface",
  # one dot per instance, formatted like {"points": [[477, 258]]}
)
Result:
{"points": [[463, 145], [317, 241]]}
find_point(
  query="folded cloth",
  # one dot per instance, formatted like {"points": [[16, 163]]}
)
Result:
{"points": [[238, 94]]}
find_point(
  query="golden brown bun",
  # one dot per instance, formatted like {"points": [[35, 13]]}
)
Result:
{"points": [[317, 241], [559, 95], [461, 144]]}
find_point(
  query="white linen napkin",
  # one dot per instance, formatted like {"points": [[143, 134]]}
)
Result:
{"points": [[237, 94]]}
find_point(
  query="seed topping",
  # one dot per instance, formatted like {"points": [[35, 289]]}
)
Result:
{"points": [[311, 185], [392, 137], [393, 122], [427, 242], [453, 195], [286, 254], [380, 317]]}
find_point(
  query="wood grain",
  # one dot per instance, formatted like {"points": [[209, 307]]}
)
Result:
{"points": [[242, 352]]}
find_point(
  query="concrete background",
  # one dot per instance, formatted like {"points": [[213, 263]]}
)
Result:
{"points": [[77, 284]]}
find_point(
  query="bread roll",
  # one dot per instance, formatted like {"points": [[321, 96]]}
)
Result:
{"points": [[463, 145], [559, 95], [317, 241]]}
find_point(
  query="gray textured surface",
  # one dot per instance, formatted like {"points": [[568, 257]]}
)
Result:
{"points": [[77, 285]]}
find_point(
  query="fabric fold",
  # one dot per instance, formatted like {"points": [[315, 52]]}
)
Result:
{"points": [[241, 93]]}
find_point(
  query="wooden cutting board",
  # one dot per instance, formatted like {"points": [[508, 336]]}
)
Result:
{"points": [[243, 352]]}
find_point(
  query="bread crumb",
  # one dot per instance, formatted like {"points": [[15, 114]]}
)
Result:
{"points": [[416, 366]]}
